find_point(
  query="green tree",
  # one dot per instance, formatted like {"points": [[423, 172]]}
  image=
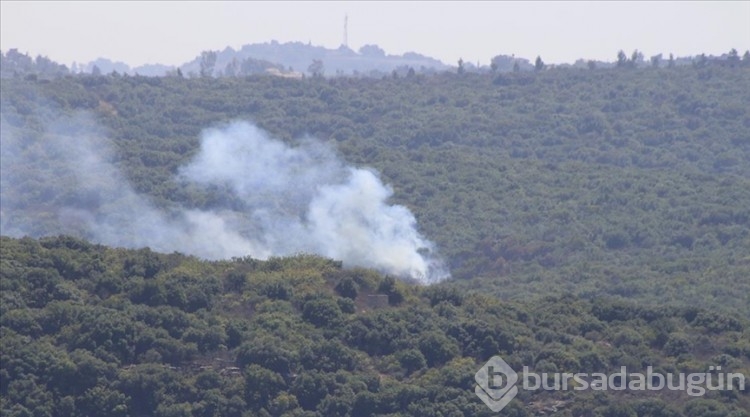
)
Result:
{"points": [[232, 69], [207, 63], [635, 58], [411, 360], [622, 59], [322, 312], [101, 401], [261, 386], [268, 353], [733, 58], [437, 348], [328, 356], [316, 68], [310, 387], [539, 64], [347, 288], [390, 287]]}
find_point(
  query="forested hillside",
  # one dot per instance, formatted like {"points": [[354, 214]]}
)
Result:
{"points": [[87, 330], [624, 182]]}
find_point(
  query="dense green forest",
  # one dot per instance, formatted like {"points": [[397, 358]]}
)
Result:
{"points": [[93, 331], [625, 182], [590, 218]]}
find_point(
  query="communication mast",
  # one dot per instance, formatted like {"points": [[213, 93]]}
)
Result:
{"points": [[346, 31]]}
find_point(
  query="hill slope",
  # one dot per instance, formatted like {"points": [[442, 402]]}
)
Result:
{"points": [[625, 182], [89, 330]]}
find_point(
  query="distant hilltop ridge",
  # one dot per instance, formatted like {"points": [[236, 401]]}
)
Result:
{"points": [[298, 59], [286, 59]]}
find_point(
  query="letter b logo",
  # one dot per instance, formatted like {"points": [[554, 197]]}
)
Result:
{"points": [[496, 383]]}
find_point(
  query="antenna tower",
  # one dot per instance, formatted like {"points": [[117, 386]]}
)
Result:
{"points": [[346, 31]]}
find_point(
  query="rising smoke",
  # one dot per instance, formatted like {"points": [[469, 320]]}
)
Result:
{"points": [[278, 200]]}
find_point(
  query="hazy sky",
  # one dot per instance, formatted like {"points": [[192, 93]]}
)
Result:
{"points": [[140, 32]]}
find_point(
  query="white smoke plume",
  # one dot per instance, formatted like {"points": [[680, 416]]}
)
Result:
{"points": [[282, 200]]}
